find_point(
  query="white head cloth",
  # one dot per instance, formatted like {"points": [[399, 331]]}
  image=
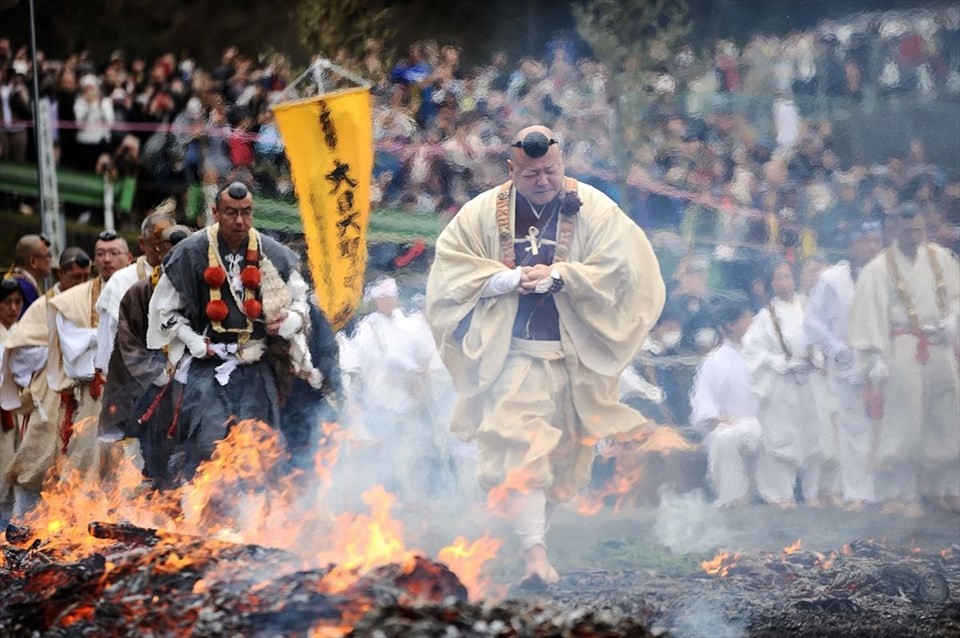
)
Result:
{"points": [[386, 287]]}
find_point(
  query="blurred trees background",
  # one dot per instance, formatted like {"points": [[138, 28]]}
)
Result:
{"points": [[299, 28]]}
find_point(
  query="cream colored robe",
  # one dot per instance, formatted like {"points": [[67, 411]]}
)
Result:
{"points": [[77, 306], [9, 441], [35, 403], [921, 402], [613, 293]]}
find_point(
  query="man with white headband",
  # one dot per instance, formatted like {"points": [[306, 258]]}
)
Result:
{"points": [[391, 392], [541, 293]]}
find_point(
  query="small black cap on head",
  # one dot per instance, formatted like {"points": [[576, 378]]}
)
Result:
{"points": [[535, 144], [237, 190]]}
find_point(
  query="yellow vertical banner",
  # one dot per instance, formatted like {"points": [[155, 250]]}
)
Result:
{"points": [[329, 143]]}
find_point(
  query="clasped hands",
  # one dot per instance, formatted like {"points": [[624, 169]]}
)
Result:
{"points": [[530, 276], [273, 329]]}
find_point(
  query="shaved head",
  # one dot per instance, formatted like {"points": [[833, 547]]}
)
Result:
{"points": [[32, 254], [536, 164]]}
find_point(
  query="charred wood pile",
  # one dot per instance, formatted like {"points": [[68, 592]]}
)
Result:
{"points": [[143, 582], [147, 582], [866, 589]]}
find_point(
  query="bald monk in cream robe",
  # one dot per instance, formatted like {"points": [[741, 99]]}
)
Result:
{"points": [[24, 387], [541, 293], [25, 391]]}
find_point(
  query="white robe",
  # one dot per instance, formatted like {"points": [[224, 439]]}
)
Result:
{"points": [[9, 440], [921, 422], [108, 307], [24, 388], [73, 347], [788, 413], [826, 326], [394, 397], [722, 392], [386, 363]]}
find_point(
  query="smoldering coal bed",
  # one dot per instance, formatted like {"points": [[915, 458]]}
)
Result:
{"points": [[147, 582]]}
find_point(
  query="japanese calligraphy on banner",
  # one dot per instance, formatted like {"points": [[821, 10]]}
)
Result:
{"points": [[329, 143]]}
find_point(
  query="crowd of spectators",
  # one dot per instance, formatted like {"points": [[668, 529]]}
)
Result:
{"points": [[725, 146]]}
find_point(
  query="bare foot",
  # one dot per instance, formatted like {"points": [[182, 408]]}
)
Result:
{"points": [[785, 505], [814, 502], [538, 565]]}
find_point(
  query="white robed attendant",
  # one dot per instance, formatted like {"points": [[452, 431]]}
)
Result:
{"points": [[826, 325], [11, 305], [724, 406], [904, 324], [146, 265], [776, 350], [24, 388], [392, 386], [72, 371]]}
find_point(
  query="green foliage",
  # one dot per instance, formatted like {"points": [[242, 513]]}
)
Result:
{"points": [[619, 29], [630, 37], [328, 27]]}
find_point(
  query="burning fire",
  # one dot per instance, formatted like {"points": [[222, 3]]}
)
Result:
{"points": [[520, 479], [242, 495], [621, 488], [793, 548], [466, 560], [665, 440], [631, 451], [721, 564], [361, 542]]}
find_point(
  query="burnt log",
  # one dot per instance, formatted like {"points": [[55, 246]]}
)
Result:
{"points": [[124, 532]]}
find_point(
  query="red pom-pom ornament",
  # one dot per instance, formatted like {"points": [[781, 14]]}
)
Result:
{"points": [[217, 310], [250, 277], [252, 308], [214, 276]]}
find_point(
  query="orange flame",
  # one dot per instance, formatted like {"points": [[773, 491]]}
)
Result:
{"points": [[721, 564], [664, 440], [825, 562], [362, 542], [242, 494], [520, 479], [467, 561], [794, 548], [620, 487]]}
